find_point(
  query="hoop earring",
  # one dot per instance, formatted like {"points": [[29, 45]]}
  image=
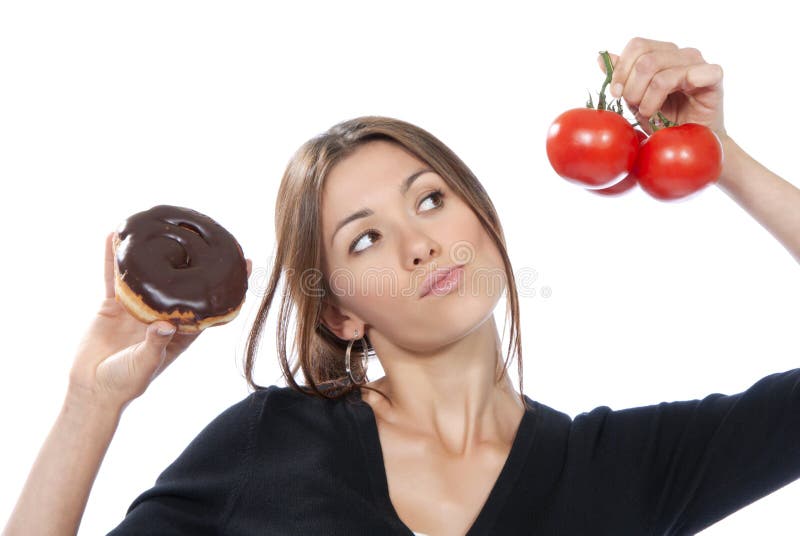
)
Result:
{"points": [[364, 358]]}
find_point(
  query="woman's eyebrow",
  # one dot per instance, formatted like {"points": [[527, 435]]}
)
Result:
{"points": [[405, 186]]}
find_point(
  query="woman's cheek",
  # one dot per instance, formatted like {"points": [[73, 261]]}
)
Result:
{"points": [[380, 285]]}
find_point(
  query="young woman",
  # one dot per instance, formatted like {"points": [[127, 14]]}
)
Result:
{"points": [[442, 444]]}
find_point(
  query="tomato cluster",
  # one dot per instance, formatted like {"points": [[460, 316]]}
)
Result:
{"points": [[601, 151]]}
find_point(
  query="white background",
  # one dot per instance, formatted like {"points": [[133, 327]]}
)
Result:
{"points": [[108, 108]]}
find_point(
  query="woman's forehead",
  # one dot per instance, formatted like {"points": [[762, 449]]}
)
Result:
{"points": [[366, 179], [377, 161]]}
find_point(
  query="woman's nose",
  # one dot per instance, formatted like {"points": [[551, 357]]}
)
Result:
{"points": [[420, 248]]}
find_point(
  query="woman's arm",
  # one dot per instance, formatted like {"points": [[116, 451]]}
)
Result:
{"points": [[57, 489], [116, 361], [772, 201]]}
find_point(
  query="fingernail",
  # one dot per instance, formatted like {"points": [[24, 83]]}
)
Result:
{"points": [[166, 331], [616, 90]]}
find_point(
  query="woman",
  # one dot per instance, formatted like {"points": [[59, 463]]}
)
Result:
{"points": [[442, 444]]}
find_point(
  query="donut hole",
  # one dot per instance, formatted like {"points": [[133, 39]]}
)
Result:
{"points": [[187, 261], [185, 264], [180, 259]]}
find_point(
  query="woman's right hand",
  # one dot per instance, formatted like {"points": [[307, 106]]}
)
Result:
{"points": [[119, 355]]}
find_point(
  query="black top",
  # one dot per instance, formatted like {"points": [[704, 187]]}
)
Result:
{"points": [[282, 463]]}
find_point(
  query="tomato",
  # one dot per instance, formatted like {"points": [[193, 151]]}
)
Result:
{"points": [[594, 148], [625, 184], [678, 161]]}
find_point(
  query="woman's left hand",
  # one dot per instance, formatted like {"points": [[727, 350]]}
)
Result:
{"points": [[659, 76]]}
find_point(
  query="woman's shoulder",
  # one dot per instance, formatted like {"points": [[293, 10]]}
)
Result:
{"points": [[287, 409], [279, 394], [286, 396]]}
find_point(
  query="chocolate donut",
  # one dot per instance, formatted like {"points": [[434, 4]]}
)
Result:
{"points": [[178, 265]]}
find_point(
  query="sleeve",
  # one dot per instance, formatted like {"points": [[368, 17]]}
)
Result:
{"points": [[195, 493], [679, 467]]}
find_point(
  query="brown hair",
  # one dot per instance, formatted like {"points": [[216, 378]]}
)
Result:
{"points": [[299, 255]]}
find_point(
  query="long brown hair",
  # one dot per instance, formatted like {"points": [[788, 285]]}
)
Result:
{"points": [[299, 254]]}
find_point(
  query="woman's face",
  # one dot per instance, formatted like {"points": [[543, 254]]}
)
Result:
{"points": [[375, 264]]}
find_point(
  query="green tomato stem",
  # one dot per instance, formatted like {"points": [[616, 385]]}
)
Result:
{"points": [[667, 122], [601, 105]]}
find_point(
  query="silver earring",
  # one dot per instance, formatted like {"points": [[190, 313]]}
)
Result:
{"points": [[364, 359]]}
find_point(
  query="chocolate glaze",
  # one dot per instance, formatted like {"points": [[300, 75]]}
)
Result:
{"points": [[178, 258]]}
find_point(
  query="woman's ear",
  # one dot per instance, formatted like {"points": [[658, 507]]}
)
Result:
{"points": [[340, 322]]}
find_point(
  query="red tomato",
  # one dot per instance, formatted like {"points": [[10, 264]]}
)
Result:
{"points": [[625, 184], [594, 148], [678, 161]]}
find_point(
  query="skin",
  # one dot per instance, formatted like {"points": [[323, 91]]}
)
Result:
{"points": [[438, 352]]}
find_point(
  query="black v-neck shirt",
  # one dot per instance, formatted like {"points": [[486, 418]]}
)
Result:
{"points": [[282, 463]]}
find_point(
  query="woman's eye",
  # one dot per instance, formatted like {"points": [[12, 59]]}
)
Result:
{"points": [[357, 241], [436, 194]]}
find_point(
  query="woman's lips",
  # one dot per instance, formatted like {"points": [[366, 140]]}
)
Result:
{"points": [[443, 277]]}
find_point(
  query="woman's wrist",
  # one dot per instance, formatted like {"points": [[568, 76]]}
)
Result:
{"points": [[79, 409], [732, 156], [81, 400]]}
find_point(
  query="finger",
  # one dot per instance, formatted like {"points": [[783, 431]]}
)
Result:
{"points": [[181, 341], [700, 77], [647, 68], [141, 360], [109, 265], [629, 57], [177, 345], [152, 354], [685, 79]]}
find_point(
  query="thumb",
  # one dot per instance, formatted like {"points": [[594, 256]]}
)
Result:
{"points": [[153, 352]]}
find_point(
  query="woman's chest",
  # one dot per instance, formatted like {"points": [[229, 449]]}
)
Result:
{"points": [[436, 494]]}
